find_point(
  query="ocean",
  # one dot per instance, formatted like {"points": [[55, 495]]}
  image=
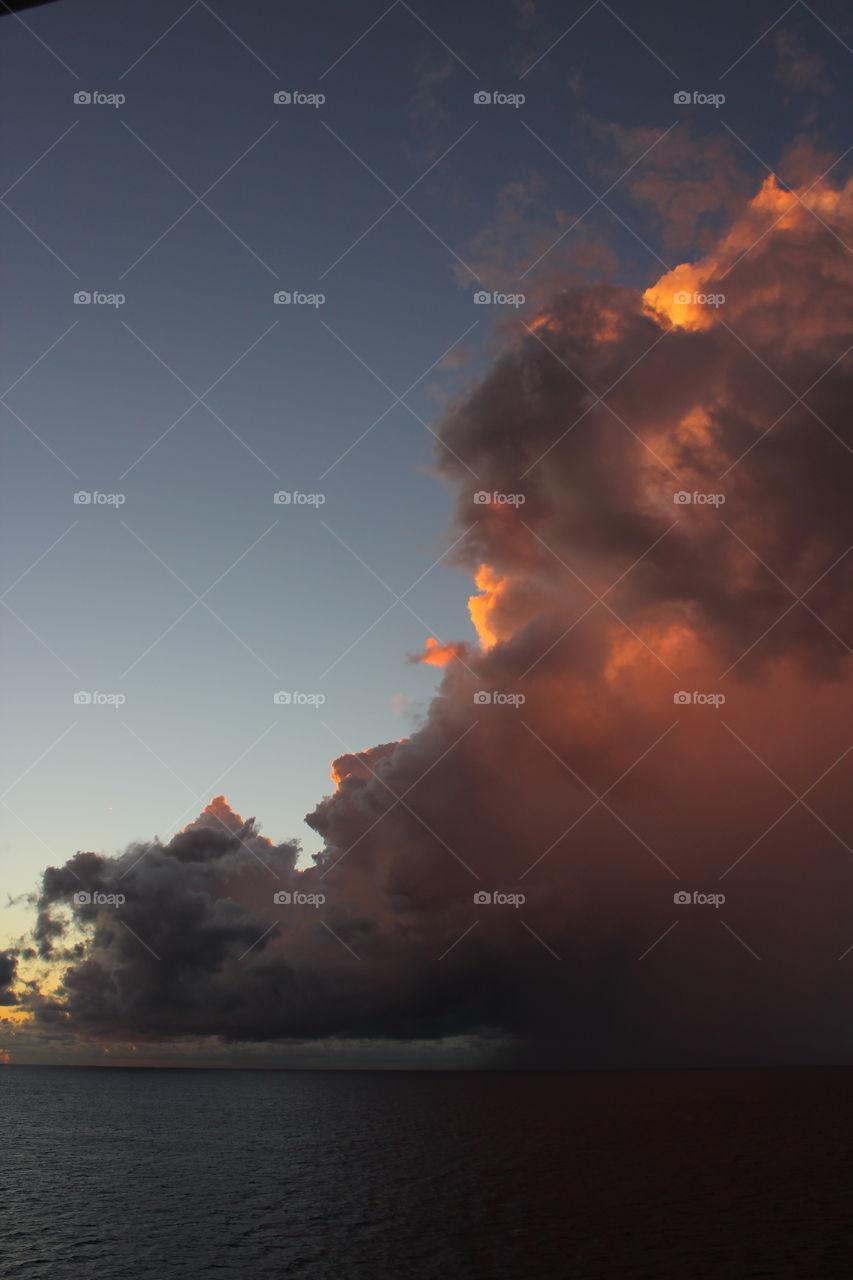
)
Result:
{"points": [[178, 1174]]}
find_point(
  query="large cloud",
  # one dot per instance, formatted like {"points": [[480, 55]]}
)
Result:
{"points": [[555, 762]]}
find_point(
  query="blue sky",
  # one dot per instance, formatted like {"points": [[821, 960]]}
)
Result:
{"points": [[291, 197]]}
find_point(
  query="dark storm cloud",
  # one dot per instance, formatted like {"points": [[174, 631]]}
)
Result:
{"points": [[8, 969], [704, 409], [506, 790]]}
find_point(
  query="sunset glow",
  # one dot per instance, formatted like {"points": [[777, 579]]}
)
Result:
{"points": [[483, 607], [438, 654]]}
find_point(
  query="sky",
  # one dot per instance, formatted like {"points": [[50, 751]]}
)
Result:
{"points": [[262, 445]]}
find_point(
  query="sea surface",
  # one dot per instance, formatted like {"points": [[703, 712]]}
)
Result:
{"points": [[180, 1174]]}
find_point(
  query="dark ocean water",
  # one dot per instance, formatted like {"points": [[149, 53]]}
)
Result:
{"points": [[179, 1174]]}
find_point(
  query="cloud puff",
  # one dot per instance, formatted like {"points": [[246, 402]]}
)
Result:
{"points": [[435, 653]]}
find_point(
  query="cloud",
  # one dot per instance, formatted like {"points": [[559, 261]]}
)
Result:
{"points": [[437, 654], [524, 229], [455, 359], [429, 117], [8, 969], [796, 67], [686, 186], [684, 536]]}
